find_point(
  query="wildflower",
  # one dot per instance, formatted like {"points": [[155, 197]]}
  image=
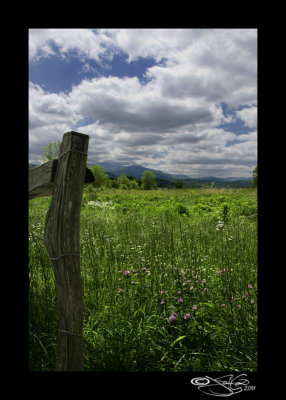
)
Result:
{"points": [[132, 283], [187, 316], [252, 301], [172, 317], [250, 286], [163, 301], [205, 289], [120, 290], [180, 300], [172, 306], [238, 306], [203, 282], [218, 272], [134, 271], [192, 287], [179, 292], [235, 298], [162, 291], [223, 305], [144, 269], [195, 308], [127, 273]]}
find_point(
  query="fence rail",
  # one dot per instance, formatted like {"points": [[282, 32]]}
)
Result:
{"points": [[64, 180]]}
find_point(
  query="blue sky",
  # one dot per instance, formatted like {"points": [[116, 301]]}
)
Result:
{"points": [[178, 100]]}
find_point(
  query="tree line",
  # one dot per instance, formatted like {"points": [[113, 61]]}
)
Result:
{"points": [[146, 182]]}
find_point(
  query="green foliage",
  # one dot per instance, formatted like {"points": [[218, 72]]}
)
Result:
{"points": [[255, 176], [51, 151], [148, 180], [100, 175], [148, 255]]}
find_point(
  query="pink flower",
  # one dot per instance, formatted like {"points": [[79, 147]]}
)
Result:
{"points": [[203, 282], [180, 300], [127, 273], [223, 305], [179, 292], [250, 286], [162, 291], [163, 301], [252, 301], [120, 290], [187, 316], [195, 308], [172, 317], [132, 283], [192, 287]]}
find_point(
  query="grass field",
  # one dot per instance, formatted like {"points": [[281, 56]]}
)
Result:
{"points": [[169, 281]]}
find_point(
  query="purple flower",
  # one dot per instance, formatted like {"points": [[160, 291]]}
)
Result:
{"points": [[203, 282], [187, 316], [172, 317], [127, 273], [195, 308], [180, 300]]}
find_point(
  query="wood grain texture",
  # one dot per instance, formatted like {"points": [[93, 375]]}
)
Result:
{"points": [[41, 179], [62, 236]]}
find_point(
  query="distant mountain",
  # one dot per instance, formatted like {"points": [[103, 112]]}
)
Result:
{"points": [[115, 169]]}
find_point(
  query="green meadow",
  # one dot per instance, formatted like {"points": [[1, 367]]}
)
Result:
{"points": [[169, 281]]}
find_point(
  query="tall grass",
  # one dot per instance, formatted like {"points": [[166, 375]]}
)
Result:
{"points": [[169, 282]]}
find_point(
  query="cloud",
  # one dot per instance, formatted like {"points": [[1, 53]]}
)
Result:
{"points": [[175, 113], [86, 43], [248, 116]]}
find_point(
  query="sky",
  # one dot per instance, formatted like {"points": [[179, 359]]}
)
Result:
{"points": [[182, 101]]}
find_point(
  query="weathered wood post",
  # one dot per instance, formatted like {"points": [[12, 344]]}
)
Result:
{"points": [[67, 176]]}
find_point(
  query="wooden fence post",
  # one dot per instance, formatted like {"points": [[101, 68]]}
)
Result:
{"points": [[62, 241]]}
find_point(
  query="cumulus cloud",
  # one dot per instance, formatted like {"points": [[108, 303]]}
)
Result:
{"points": [[248, 116], [170, 121]]}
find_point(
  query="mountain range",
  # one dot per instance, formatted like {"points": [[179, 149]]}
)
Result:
{"points": [[115, 169]]}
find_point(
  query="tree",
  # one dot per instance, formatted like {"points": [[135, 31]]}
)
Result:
{"points": [[255, 176], [100, 175], [123, 181], [126, 182], [51, 151], [148, 180]]}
